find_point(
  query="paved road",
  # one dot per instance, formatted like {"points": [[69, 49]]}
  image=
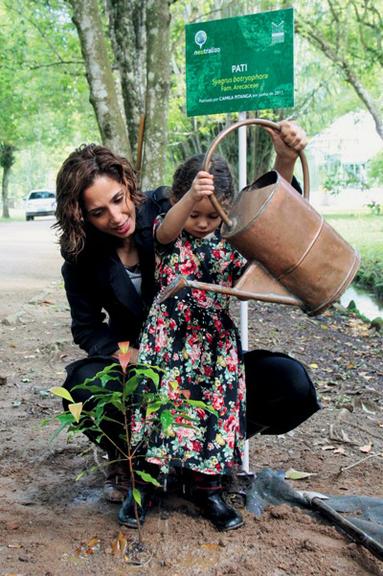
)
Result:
{"points": [[29, 261]]}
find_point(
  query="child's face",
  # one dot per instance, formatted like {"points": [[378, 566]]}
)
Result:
{"points": [[203, 220]]}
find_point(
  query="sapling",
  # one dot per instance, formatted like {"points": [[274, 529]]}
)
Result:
{"points": [[136, 385]]}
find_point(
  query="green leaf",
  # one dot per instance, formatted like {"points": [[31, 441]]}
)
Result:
{"points": [[148, 372], [292, 474], [147, 478], [153, 376], [81, 474], [75, 410], [131, 385], [153, 407], [106, 378], [137, 496], [61, 392], [166, 419], [203, 405], [65, 418]]}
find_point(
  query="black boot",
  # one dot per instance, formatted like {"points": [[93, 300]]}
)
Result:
{"points": [[147, 495], [207, 495], [126, 514]]}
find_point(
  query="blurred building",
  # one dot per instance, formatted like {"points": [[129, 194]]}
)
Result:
{"points": [[338, 159]]}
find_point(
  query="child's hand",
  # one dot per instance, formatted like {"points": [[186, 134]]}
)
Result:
{"points": [[203, 185]]}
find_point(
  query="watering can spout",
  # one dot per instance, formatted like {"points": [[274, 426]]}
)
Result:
{"points": [[257, 280]]}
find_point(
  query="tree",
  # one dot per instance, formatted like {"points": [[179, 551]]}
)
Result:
{"points": [[103, 94], [349, 33], [7, 159], [139, 33], [42, 95]]}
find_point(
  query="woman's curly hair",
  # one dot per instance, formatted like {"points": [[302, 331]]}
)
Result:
{"points": [[78, 172]]}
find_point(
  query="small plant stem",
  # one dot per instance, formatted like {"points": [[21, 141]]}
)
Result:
{"points": [[130, 464], [113, 443]]}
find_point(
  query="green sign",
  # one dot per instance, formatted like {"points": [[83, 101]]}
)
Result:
{"points": [[243, 63]]}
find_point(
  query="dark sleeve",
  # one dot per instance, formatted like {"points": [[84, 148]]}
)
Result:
{"points": [[157, 202], [89, 328]]}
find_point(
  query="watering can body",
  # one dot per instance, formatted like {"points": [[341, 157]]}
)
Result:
{"points": [[274, 225], [293, 249]]}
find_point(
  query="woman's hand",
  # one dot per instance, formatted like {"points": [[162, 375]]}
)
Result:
{"points": [[287, 143], [202, 185]]}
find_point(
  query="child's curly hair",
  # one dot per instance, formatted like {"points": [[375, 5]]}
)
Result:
{"points": [[78, 172], [186, 172]]}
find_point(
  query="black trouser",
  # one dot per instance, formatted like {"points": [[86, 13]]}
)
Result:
{"points": [[280, 395]]}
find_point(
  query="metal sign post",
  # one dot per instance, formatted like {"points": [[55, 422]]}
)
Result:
{"points": [[244, 306]]}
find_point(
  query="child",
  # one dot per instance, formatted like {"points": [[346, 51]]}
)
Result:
{"points": [[192, 337]]}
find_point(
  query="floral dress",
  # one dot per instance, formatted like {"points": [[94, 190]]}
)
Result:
{"points": [[192, 337]]}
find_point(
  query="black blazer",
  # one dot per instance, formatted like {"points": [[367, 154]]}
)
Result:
{"points": [[97, 282]]}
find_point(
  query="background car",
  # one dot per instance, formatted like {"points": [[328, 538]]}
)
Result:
{"points": [[40, 203]]}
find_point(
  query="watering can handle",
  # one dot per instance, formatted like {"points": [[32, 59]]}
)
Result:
{"points": [[224, 133]]}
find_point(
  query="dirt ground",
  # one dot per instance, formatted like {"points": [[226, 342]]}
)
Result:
{"points": [[52, 524]]}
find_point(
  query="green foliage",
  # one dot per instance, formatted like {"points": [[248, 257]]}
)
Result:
{"points": [[374, 207], [364, 232], [348, 34], [375, 169], [335, 177], [321, 96], [7, 155], [43, 90], [44, 95], [370, 275]]}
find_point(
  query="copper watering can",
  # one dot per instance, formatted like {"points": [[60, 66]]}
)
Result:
{"points": [[295, 256]]}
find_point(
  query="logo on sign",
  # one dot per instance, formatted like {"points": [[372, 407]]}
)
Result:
{"points": [[200, 38], [277, 32]]}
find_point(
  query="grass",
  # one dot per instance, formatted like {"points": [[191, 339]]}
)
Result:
{"points": [[16, 214], [12, 219], [365, 233]]}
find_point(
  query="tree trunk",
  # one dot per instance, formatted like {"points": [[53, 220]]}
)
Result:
{"points": [[128, 34], [4, 191], [103, 93], [140, 39], [157, 91]]}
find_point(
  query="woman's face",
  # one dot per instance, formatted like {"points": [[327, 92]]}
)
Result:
{"points": [[109, 207]]}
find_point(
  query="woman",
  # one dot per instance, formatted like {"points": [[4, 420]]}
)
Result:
{"points": [[106, 240]]}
